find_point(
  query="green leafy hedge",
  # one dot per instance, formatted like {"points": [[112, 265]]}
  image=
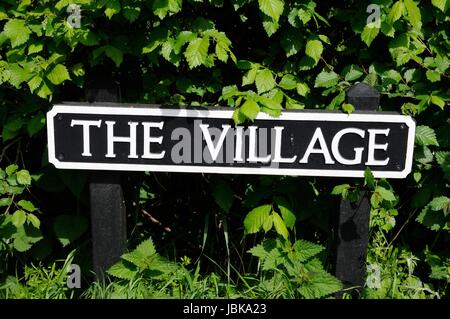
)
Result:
{"points": [[254, 56]]}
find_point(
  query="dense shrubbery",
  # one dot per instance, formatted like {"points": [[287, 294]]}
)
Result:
{"points": [[254, 56]]}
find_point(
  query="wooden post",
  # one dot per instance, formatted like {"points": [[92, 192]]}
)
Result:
{"points": [[353, 220], [108, 214]]}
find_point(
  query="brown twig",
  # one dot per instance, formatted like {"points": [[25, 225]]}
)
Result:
{"points": [[155, 221]]}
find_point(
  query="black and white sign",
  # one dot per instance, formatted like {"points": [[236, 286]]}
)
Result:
{"points": [[147, 138]]}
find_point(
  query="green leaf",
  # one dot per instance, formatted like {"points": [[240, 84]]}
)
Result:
{"points": [[440, 203], [440, 266], [27, 205], [443, 5], [249, 77], [396, 12], [302, 89], [271, 106], [34, 220], [123, 270], [223, 195], [414, 16], [34, 83], [306, 249], [304, 15], [18, 218], [436, 100], [442, 157], [433, 76], [280, 226], [35, 48], [369, 179], [17, 32], [340, 190], [417, 176], [268, 223], [385, 194], [115, 54], [197, 52], [423, 155], [425, 136], [58, 74], [286, 211], [270, 26], [319, 283], [264, 81], [44, 90], [112, 8], [250, 109], [352, 72], [324, 39], [25, 237], [167, 50], [256, 218], [434, 220], [23, 177], [269, 253], [17, 74], [69, 227], [146, 248], [10, 169], [314, 49], [221, 51], [238, 117], [5, 202], [136, 258], [21, 244], [162, 7], [348, 108], [182, 38], [292, 104], [442, 63], [326, 79], [272, 8], [288, 82], [369, 34]]}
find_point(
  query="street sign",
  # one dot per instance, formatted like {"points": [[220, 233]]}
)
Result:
{"points": [[132, 137]]}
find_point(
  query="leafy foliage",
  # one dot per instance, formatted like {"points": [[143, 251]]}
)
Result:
{"points": [[252, 56], [296, 266], [143, 260]]}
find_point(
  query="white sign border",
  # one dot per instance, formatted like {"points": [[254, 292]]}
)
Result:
{"points": [[223, 113]]}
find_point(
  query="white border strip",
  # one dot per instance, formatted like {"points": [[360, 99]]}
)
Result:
{"points": [[286, 115]]}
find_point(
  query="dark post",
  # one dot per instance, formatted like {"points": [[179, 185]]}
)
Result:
{"points": [[108, 214], [353, 221]]}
